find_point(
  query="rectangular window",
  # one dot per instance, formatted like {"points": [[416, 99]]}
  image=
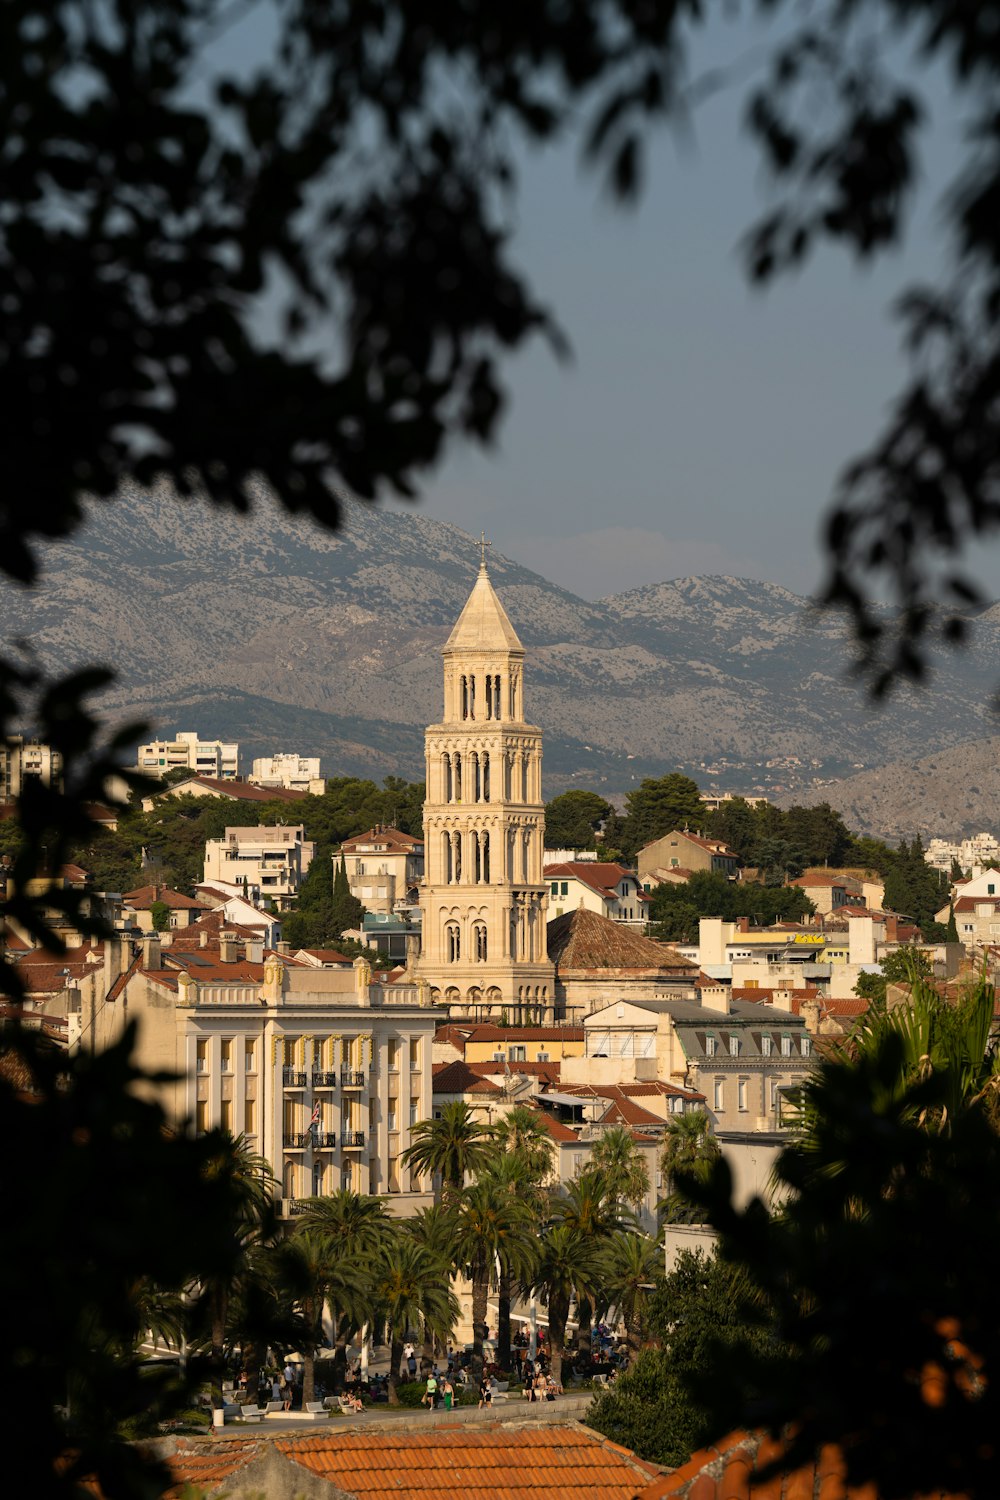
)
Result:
{"points": [[414, 1109], [565, 888], [774, 1094], [766, 1046], [734, 1046], [710, 1046], [414, 1052], [555, 888], [517, 1054], [786, 1046], [393, 1055], [226, 1116], [250, 1117], [202, 1057], [806, 1046], [741, 1094], [250, 1057], [226, 1048], [201, 1116], [719, 1100]]}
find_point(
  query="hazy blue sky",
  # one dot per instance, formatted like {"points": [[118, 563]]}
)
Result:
{"points": [[702, 424]]}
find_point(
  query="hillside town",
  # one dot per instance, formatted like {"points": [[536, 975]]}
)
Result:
{"points": [[380, 1015]]}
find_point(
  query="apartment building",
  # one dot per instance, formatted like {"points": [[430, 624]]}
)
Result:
{"points": [[214, 758], [384, 867], [323, 1070], [268, 863], [610, 890], [294, 773], [22, 759], [681, 850]]}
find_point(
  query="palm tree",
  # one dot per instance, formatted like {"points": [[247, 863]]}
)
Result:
{"points": [[568, 1267], [307, 1268], [591, 1210], [522, 1132], [355, 1228], [434, 1229], [453, 1147], [494, 1232], [620, 1160], [630, 1265], [244, 1177], [689, 1147], [514, 1173], [410, 1287]]}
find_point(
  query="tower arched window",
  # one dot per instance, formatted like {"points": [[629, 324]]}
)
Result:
{"points": [[479, 942], [484, 845], [484, 770], [446, 775], [446, 857], [456, 769], [453, 942], [496, 696]]}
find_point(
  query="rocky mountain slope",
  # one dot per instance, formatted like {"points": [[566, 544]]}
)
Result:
{"points": [[268, 630], [950, 794]]}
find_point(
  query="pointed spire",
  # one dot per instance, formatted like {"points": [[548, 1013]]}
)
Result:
{"points": [[483, 624]]}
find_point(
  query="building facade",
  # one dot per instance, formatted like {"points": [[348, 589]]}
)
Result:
{"points": [[22, 759], [295, 773], [384, 867], [484, 897], [269, 863], [217, 758], [323, 1070]]}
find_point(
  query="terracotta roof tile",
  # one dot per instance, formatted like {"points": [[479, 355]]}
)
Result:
{"points": [[583, 939], [144, 897], [458, 1078], [389, 840], [501, 1463], [485, 1031]]}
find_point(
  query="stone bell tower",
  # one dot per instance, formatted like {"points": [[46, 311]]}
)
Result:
{"points": [[484, 898]]}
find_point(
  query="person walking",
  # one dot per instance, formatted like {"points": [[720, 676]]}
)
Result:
{"points": [[448, 1392], [432, 1391], [485, 1392]]}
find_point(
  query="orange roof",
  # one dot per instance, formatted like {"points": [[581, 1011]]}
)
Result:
{"points": [[327, 955], [730, 1469], [389, 841], [498, 1464], [176, 900], [458, 1078], [240, 791], [486, 1031], [600, 876], [556, 1129]]}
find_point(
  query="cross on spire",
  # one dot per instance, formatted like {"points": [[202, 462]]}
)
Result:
{"points": [[483, 544]]}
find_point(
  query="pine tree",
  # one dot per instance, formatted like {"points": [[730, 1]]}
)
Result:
{"points": [[347, 910]]}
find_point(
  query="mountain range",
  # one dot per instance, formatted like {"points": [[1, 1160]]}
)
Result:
{"points": [[268, 630]]}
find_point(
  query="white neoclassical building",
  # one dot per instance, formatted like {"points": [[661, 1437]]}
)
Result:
{"points": [[484, 894]]}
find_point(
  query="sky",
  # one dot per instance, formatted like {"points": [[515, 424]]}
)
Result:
{"points": [[701, 425]]}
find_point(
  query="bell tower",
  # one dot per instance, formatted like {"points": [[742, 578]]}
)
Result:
{"points": [[484, 898]]}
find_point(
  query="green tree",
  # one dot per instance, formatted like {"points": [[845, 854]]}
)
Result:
{"points": [[309, 1267], [886, 1339], [494, 1232], [622, 1165], [702, 1315], [567, 1268], [452, 1147], [902, 966], [675, 908], [522, 1133], [689, 1149], [410, 1288], [916, 890], [160, 914], [573, 819], [590, 1207], [347, 911], [356, 1230], [658, 806], [631, 1264]]}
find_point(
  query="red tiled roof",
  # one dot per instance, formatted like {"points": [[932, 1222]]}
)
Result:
{"points": [[712, 845], [556, 1129], [458, 1078], [548, 1071], [730, 1470], [390, 841], [240, 791], [583, 939], [622, 1108], [969, 903], [327, 955], [204, 1465], [598, 875], [144, 897]]}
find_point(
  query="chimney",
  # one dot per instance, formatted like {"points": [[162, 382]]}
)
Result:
{"points": [[810, 1012], [744, 924], [203, 938], [228, 948], [782, 999], [716, 997], [254, 948], [151, 951], [891, 927]]}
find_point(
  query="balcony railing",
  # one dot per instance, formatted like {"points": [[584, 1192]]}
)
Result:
{"points": [[326, 1140], [352, 1137], [293, 1079], [351, 1079], [296, 1141], [324, 1080]]}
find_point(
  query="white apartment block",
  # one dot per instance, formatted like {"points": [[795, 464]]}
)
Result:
{"points": [[219, 759], [296, 773], [266, 863], [20, 760], [974, 854]]}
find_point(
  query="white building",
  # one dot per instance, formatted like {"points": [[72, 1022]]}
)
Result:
{"points": [[216, 758], [296, 773], [21, 760], [269, 864]]}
